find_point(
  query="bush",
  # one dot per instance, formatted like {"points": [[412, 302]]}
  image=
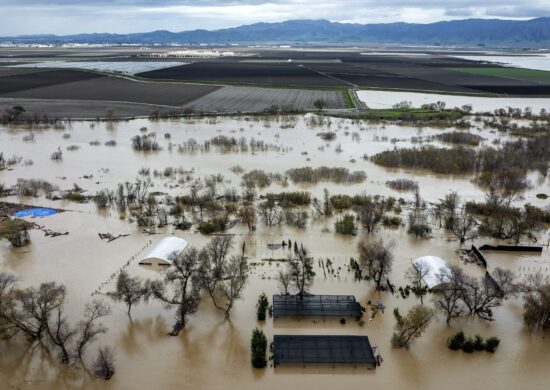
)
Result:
{"points": [[455, 342], [145, 143], [261, 307], [492, 344], [258, 346], [479, 344], [346, 225], [469, 345], [215, 225]]}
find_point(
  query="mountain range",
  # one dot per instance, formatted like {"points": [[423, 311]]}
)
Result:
{"points": [[467, 32]]}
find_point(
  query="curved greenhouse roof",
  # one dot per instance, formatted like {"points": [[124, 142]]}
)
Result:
{"points": [[435, 265], [164, 251]]}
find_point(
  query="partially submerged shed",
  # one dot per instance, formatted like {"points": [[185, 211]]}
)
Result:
{"points": [[316, 306], [323, 350], [165, 251]]}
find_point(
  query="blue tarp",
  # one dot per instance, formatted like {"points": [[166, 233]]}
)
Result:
{"points": [[36, 212]]}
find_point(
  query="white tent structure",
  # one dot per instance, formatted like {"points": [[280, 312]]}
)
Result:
{"points": [[164, 251], [435, 265]]}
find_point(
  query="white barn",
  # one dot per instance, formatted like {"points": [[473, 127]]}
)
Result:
{"points": [[163, 252]]}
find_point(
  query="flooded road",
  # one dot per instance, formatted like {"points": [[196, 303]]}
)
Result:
{"points": [[211, 353]]}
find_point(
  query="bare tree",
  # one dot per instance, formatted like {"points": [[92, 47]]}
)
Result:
{"points": [[415, 274], [375, 260], [223, 277], [247, 214], [270, 212], [464, 227], [372, 213], [411, 326], [104, 364], [129, 290], [182, 276], [300, 270], [89, 328], [284, 280], [449, 292]]}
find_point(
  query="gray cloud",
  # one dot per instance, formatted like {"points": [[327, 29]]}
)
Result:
{"points": [[122, 16]]}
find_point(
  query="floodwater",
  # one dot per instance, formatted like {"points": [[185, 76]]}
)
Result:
{"points": [[212, 353], [538, 61], [386, 99]]}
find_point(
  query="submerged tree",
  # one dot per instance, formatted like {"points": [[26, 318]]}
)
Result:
{"points": [[411, 326], [258, 347], [15, 231], [375, 260], [300, 270], [536, 305], [449, 292], [415, 274], [223, 277], [130, 290], [104, 364], [184, 287]]}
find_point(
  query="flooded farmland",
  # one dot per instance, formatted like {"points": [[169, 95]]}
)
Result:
{"points": [[214, 353], [386, 99]]}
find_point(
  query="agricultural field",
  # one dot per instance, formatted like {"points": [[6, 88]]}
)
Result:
{"points": [[80, 85], [247, 99], [538, 76], [244, 73]]}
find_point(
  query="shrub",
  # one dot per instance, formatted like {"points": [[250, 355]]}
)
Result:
{"points": [[479, 344], [258, 348], [57, 155], [145, 143], [469, 345], [455, 342], [491, 344], [346, 225], [261, 307], [402, 185], [215, 225]]}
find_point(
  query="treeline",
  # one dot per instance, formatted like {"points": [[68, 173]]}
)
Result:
{"points": [[502, 167]]}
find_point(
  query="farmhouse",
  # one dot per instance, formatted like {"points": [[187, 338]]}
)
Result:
{"points": [[164, 252]]}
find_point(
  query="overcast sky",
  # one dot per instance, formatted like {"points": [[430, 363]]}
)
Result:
{"points": [[124, 16]]}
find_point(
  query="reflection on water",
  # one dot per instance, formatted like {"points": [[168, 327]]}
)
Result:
{"points": [[211, 353]]}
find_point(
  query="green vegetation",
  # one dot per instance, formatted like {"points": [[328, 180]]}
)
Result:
{"points": [[471, 344], [258, 346], [291, 199], [403, 114], [459, 137], [512, 73], [331, 174], [346, 225], [261, 307], [15, 231]]}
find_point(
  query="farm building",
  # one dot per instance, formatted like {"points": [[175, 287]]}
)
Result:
{"points": [[323, 350], [164, 252], [316, 306], [435, 265]]}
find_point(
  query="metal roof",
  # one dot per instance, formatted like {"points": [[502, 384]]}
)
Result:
{"points": [[316, 306], [322, 349]]}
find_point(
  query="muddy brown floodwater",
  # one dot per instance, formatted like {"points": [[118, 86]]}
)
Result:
{"points": [[212, 353]]}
